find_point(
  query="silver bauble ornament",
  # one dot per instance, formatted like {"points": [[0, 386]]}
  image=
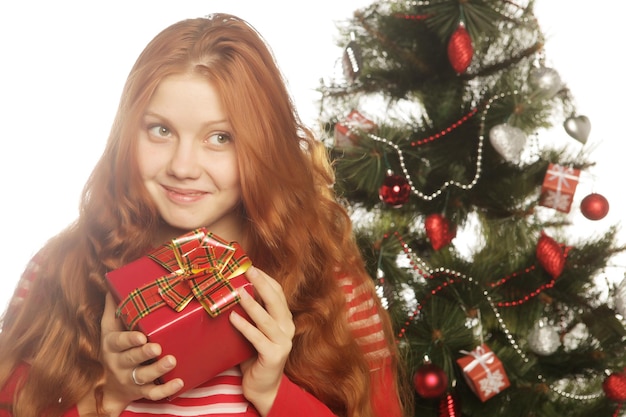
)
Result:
{"points": [[508, 141], [578, 127], [546, 80], [543, 338]]}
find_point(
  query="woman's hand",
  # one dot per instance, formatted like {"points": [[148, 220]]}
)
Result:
{"points": [[271, 335], [123, 355]]}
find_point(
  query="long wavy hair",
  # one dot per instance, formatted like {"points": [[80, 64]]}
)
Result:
{"points": [[296, 230]]}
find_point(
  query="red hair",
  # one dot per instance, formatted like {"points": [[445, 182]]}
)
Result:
{"points": [[296, 230]]}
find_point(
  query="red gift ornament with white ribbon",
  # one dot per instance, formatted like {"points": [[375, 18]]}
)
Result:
{"points": [[347, 131], [558, 188], [483, 372]]}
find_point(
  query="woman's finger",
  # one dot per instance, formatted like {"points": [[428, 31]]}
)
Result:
{"points": [[132, 346], [147, 374], [272, 330], [275, 309], [270, 292], [113, 328], [156, 392]]}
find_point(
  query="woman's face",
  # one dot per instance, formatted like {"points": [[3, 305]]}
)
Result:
{"points": [[187, 158]]}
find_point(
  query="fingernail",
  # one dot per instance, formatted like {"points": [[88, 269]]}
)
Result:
{"points": [[169, 362], [234, 316], [243, 293], [155, 350], [140, 339]]}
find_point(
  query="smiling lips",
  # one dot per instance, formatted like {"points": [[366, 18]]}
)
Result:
{"points": [[179, 195]]}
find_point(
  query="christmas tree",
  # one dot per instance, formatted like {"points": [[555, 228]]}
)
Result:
{"points": [[437, 123]]}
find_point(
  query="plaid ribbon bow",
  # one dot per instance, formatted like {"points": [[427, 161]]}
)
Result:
{"points": [[201, 265]]}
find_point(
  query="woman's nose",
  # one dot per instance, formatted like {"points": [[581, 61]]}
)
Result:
{"points": [[185, 160]]}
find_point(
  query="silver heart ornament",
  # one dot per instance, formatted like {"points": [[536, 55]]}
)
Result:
{"points": [[508, 141], [578, 127]]}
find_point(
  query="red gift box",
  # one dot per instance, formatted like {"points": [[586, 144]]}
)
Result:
{"points": [[346, 130], [177, 296], [483, 372], [559, 186]]}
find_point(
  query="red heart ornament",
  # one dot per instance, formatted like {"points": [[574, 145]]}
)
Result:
{"points": [[438, 230], [614, 386], [550, 255]]}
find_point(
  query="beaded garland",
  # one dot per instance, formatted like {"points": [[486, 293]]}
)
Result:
{"points": [[454, 277], [448, 183]]}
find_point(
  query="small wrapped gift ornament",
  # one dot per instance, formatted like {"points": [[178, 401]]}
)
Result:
{"points": [[346, 131], [559, 186], [483, 372], [180, 296]]}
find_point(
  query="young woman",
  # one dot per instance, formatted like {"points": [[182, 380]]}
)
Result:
{"points": [[205, 136]]}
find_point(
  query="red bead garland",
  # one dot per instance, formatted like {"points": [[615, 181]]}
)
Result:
{"points": [[412, 16], [451, 281], [446, 130]]}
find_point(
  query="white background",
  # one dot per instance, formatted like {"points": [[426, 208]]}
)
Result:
{"points": [[63, 64]]}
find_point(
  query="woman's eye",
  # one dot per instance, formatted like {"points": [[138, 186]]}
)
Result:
{"points": [[218, 139], [159, 131]]}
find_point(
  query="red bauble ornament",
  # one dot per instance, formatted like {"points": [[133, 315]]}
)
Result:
{"points": [[449, 406], [614, 386], [550, 255], [594, 206], [439, 231], [395, 190], [430, 381], [460, 50]]}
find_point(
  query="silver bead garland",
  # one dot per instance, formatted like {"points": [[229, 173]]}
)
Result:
{"points": [[446, 184]]}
